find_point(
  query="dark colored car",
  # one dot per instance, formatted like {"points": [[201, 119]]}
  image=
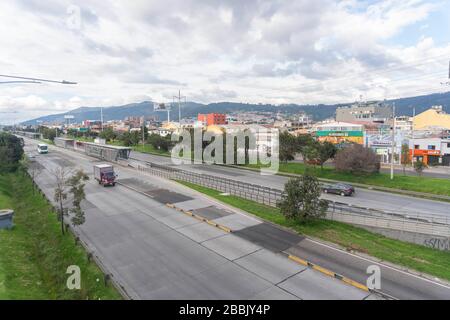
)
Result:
{"points": [[339, 188]]}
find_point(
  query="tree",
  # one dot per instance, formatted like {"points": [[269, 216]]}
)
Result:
{"points": [[108, 134], [302, 142], [60, 194], [134, 138], [160, 143], [126, 139], [326, 151], [76, 184], [357, 159], [310, 154], [405, 157], [33, 168], [301, 199], [49, 133], [11, 152], [287, 148], [419, 166]]}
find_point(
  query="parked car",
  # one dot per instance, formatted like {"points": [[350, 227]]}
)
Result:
{"points": [[339, 188]]}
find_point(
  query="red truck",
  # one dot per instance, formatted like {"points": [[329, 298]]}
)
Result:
{"points": [[104, 174]]}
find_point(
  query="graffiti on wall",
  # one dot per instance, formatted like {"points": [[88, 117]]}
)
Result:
{"points": [[438, 243]]}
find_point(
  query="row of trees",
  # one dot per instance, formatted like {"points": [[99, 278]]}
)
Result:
{"points": [[353, 158], [312, 151], [128, 138], [48, 133], [12, 157], [11, 152]]}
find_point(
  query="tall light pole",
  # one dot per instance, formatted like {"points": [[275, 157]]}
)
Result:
{"points": [[101, 117], [179, 105], [24, 80], [143, 133], [412, 137], [393, 141]]}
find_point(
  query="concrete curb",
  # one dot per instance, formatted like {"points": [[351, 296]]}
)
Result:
{"points": [[186, 212], [335, 275], [199, 217]]}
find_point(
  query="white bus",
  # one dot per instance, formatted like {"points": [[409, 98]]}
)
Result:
{"points": [[42, 148]]}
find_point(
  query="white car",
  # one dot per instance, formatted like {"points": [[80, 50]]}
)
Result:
{"points": [[42, 148]]}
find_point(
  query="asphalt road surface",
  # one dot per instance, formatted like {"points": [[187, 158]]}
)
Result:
{"points": [[363, 198], [156, 252]]}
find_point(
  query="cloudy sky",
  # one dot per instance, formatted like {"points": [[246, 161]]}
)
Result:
{"points": [[274, 51]]}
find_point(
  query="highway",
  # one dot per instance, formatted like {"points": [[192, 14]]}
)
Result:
{"points": [[364, 197], [156, 252]]}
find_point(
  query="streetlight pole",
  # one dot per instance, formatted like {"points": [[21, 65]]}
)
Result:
{"points": [[20, 79], [393, 141], [143, 133], [31, 80], [412, 137], [101, 116], [179, 105]]}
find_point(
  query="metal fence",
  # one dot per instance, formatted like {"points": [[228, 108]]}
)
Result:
{"points": [[437, 225]]}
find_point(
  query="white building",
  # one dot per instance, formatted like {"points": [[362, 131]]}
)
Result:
{"points": [[432, 151]]}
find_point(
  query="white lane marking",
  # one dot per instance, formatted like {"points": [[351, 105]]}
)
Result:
{"points": [[381, 264], [322, 244]]}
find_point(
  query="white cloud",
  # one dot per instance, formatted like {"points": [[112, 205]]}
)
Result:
{"points": [[297, 51]]}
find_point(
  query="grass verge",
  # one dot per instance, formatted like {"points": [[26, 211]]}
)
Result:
{"points": [[423, 259], [411, 183], [35, 256]]}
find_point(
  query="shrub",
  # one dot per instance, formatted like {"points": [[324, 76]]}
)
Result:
{"points": [[357, 159]]}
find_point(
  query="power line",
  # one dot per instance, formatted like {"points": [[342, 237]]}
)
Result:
{"points": [[36, 80]]}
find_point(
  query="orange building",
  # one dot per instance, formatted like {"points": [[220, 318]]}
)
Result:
{"points": [[212, 118], [427, 150]]}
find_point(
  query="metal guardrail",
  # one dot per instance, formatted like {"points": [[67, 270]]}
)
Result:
{"points": [[92, 254], [437, 225], [418, 223], [426, 195]]}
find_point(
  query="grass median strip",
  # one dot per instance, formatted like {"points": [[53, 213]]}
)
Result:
{"points": [[411, 183], [35, 256], [422, 259]]}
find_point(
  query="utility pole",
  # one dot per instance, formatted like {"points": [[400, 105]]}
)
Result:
{"points": [[412, 137], [179, 105], [393, 141], [143, 133], [101, 116]]}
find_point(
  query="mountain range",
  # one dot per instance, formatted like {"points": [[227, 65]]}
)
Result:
{"points": [[404, 106]]}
